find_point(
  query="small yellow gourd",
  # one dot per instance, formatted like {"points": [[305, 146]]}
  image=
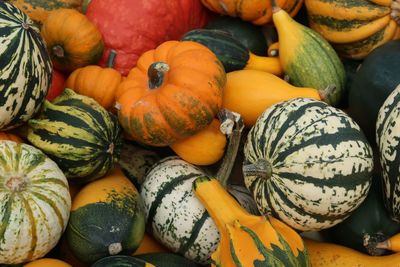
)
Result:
{"points": [[332, 255], [250, 92]]}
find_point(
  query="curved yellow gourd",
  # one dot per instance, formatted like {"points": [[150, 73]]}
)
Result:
{"points": [[250, 92], [269, 64], [205, 147], [332, 255]]}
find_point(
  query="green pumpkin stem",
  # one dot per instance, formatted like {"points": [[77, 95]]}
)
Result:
{"points": [[58, 51], [261, 169], [232, 125], [156, 73], [111, 58]]}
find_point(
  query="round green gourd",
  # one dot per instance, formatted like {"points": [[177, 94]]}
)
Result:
{"points": [[78, 134], [307, 164], [25, 67], [250, 35], [376, 78]]}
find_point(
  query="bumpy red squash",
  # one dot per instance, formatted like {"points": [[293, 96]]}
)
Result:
{"points": [[174, 91], [132, 27]]}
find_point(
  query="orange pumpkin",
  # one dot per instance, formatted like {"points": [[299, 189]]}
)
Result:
{"points": [[11, 137], [96, 82], [72, 39], [174, 91], [38, 10], [47, 262], [257, 12]]}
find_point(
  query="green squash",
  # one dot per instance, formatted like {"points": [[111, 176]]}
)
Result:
{"points": [[377, 77]]}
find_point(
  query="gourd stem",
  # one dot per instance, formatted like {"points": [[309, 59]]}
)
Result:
{"points": [[111, 58], [275, 6], [58, 51], [231, 125], [327, 93], [156, 73], [261, 169]]}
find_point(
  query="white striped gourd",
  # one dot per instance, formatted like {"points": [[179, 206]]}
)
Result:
{"points": [[387, 138], [25, 67], [307, 163], [35, 203]]}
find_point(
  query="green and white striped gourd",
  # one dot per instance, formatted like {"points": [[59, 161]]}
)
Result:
{"points": [[173, 213], [307, 163], [136, 161], [81, 136], [25, 67], [35, 203], [388, 140]]}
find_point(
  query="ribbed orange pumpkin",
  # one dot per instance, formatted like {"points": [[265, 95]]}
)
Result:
{"points": [[72, 39], [174, 91], [258, 12], [96, 82]]}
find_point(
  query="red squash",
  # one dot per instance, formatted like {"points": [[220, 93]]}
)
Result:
{"points": [[57, 85], [131, 27]]}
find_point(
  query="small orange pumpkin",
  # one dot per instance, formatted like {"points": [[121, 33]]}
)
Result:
{"points": [[72, 39], [96, 82], [47, 262], [257, 12], [11, 137], [174, 91]]}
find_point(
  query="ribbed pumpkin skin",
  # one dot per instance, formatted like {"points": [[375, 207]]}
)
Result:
{"points": [[189, 97], [35, 215], [320, 164], [387, 138], [78, 134], [257, 12], [25, 66], [38, 10]]}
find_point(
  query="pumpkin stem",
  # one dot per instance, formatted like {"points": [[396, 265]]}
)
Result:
{"points": [[231, 125], [275, 6], [25, 25], [395, 14], [261, 168], [111, 58], [327, 93], [15, 183], [58, 51], [156, 73], [114, 248]]}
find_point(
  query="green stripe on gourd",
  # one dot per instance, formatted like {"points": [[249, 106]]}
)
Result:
{"points": [[307, 163], [34, 203], [232, 54], [316, 65], [352, 48], [348, 4], [388, 137], [25, 66], [81, 136], [337, 24]]}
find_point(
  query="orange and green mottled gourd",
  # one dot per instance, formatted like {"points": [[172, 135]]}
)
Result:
{"points": [[73, 41], [174, 91], [257, 12], [248, 240]]}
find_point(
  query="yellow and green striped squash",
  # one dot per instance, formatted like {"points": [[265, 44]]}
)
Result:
{"points": [[81, 136], [35, 203]]}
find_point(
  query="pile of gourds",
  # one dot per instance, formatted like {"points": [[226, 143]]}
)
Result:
{"points": [[199, 132]]}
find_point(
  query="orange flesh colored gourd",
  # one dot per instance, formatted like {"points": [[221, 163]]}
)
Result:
{"points": [[251, 92], [332, 255], [243, 235], [204, 147]]}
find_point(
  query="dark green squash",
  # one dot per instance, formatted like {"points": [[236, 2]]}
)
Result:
{"points": [[367, 225], [377, 77], [250, 35]]}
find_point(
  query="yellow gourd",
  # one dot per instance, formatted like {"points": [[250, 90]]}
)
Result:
{"points": [[250, 92], [47, 262], [248, 240], [332, 255], [393, 243], [205, 147]]}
